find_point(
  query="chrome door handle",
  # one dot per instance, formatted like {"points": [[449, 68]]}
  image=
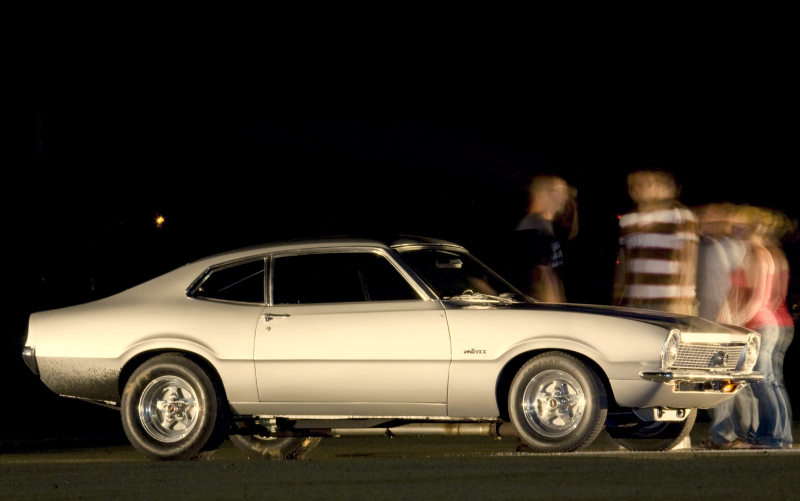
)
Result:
{"points": [[269, 316]]}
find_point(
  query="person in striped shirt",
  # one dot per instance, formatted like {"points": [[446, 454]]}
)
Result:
{"points": [[657, 261]]}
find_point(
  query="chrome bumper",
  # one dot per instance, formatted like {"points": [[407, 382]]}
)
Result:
{"points": [[701, 377], [29, 357]]}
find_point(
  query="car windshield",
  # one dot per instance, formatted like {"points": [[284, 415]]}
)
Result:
{"points": [[454, 274]]}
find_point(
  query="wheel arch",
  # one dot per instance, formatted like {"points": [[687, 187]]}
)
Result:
{"points": [[137, 360], [513, 366]]}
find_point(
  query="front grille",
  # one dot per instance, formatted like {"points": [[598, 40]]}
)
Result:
{"points": [[699, 356]]}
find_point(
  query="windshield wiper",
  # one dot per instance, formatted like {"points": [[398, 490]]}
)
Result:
{"points": [[470, 295]]}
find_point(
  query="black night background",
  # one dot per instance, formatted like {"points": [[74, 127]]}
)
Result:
{"points": [[93, 169]]}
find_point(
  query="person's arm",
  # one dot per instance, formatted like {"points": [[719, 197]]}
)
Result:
{"points": [[567, 219], [744, 298], [781, 288], [546, 285], [688, 270]]}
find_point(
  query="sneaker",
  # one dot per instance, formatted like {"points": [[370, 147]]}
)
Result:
{"points": [[740, 444]]}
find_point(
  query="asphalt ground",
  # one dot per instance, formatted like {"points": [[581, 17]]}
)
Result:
{"points": [[403, 467]]}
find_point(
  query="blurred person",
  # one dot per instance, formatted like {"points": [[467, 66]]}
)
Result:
{"points": [[538, 254], [565, 227], [719, 255], [781, 225], [657, 261], [761, 412]]}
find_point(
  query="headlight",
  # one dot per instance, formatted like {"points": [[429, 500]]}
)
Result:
{"points": [[669, 354], [751, 352]]}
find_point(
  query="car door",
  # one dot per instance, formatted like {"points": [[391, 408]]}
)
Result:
{"points": [[349, 333]]}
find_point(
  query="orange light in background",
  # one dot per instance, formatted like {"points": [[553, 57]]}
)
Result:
{"points": [[159, 221], [729, 388]]}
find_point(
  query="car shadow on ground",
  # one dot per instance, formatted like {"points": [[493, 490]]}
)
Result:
{"points": [[88, 428]]}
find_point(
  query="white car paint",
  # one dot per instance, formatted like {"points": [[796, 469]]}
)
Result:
{"points": [[428, 357]]}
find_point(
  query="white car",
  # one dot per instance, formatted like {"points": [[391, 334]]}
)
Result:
{"points": [[280, 345]]}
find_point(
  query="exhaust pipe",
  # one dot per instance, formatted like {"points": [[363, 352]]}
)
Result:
{"points": [[448, 429]]}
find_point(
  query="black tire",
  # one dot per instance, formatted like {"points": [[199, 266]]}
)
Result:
{"points": [[557, 403], [653, 436], [284, 448], [172, 409]]}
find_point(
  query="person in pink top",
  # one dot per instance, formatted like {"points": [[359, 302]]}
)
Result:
{"points": [[763, 408], [781, 225]]}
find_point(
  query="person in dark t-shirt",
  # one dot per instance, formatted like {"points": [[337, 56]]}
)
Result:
{"points": [[537, 253]]}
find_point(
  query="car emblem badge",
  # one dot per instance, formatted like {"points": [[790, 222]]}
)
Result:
{"points": [[720, 359], [473, 351]]}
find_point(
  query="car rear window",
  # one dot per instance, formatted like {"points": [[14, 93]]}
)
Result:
{"points": [[242, 282]]}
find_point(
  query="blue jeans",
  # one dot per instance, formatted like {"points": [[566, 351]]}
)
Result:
{"points": [[760, 413], [731, 418], [784, 433], [769, 424]]}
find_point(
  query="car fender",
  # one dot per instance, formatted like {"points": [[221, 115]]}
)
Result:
{"points": [[236, 375], [485, 343]]}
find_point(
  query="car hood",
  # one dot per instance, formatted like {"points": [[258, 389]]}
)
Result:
{"points": [[685, 323]]}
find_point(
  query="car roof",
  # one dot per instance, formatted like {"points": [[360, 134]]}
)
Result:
{"points": [[396, 242], [179, 279]]}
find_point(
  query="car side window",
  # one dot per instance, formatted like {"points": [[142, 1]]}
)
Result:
{"points": [[242, 283], [337, 278]]}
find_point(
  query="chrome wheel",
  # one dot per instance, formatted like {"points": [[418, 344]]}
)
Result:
{"points": [[172, 408], [557, 403], [168, 409], [553, 403]]}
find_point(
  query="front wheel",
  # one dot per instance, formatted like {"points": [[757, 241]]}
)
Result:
{"points": [[172, 409], [557, 403], [653, 436], [260, 447]]}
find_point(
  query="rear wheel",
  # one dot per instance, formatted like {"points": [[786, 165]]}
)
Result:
{"points": [[557, 403], [172, 409], [653, 436], [274, 448]]}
